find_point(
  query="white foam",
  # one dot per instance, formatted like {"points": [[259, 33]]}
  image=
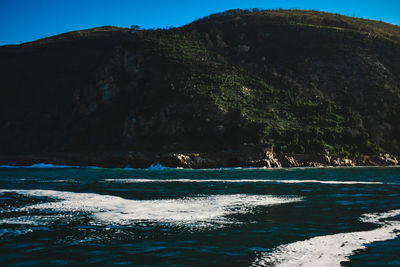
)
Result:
{"points": [[139, 180], [36, 220], [331, 250], [117, 210], [376, 217], [58, 181], [158, 166]]}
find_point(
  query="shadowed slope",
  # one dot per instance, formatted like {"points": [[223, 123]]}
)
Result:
{"points": [[294, 81]]}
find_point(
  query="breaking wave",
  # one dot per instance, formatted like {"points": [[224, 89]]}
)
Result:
{"points": [[331, 250], [116, 210]]}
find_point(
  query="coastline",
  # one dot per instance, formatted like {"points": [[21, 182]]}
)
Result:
{"points": [[209, 160]]}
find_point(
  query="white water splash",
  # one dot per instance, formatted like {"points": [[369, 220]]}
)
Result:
{"points": [[331, 250], [117, 210], [139, 180]]}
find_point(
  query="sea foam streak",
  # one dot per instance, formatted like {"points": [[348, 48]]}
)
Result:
{"points": [[331, 250], [117, 210], [234, 181]]}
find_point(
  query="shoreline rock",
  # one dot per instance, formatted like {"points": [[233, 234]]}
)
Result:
{"points": [[223, 159]]}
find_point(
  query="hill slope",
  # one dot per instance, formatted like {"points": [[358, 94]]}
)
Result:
{"points": [[289, 81]]}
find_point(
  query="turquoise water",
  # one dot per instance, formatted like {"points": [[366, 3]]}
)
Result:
{"points": [[234, 217]]}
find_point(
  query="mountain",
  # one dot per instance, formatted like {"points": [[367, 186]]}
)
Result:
{"points": [[286, 81]]}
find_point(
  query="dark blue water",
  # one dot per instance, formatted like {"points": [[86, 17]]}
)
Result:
{"points": [[238, 217]]}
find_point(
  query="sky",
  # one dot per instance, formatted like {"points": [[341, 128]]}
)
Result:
{"points": [[29, 20]]}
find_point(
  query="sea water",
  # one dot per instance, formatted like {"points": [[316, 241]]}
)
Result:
{"points": [[224, 217]]}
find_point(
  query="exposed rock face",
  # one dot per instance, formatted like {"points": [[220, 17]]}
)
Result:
{"points": [[377, 160], [177, 160], [326, 158], [314, 164], [387, 159], [289, 161], [271, 160], [204, 162], [343, 162]]}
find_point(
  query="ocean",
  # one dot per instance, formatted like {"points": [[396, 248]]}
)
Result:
{"points": [[64, 216]]}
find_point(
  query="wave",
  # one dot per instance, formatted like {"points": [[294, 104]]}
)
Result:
{"points": [[39, 165], [117, 210], [71, 181], [47, 166], [331, 250], [139, 180]]}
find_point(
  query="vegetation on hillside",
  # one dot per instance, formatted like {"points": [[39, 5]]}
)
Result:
{"points": [[288, 80]]}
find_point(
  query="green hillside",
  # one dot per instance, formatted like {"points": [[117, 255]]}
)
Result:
{"points": [[286, 80]]}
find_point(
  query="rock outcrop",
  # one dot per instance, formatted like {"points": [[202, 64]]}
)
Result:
{"points": [[257, 159]]}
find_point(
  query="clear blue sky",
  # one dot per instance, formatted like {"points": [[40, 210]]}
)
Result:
{"points": [[28, 20]]}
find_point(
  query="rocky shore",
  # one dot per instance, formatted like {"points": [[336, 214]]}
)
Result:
{"points": [[224, 159]]}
